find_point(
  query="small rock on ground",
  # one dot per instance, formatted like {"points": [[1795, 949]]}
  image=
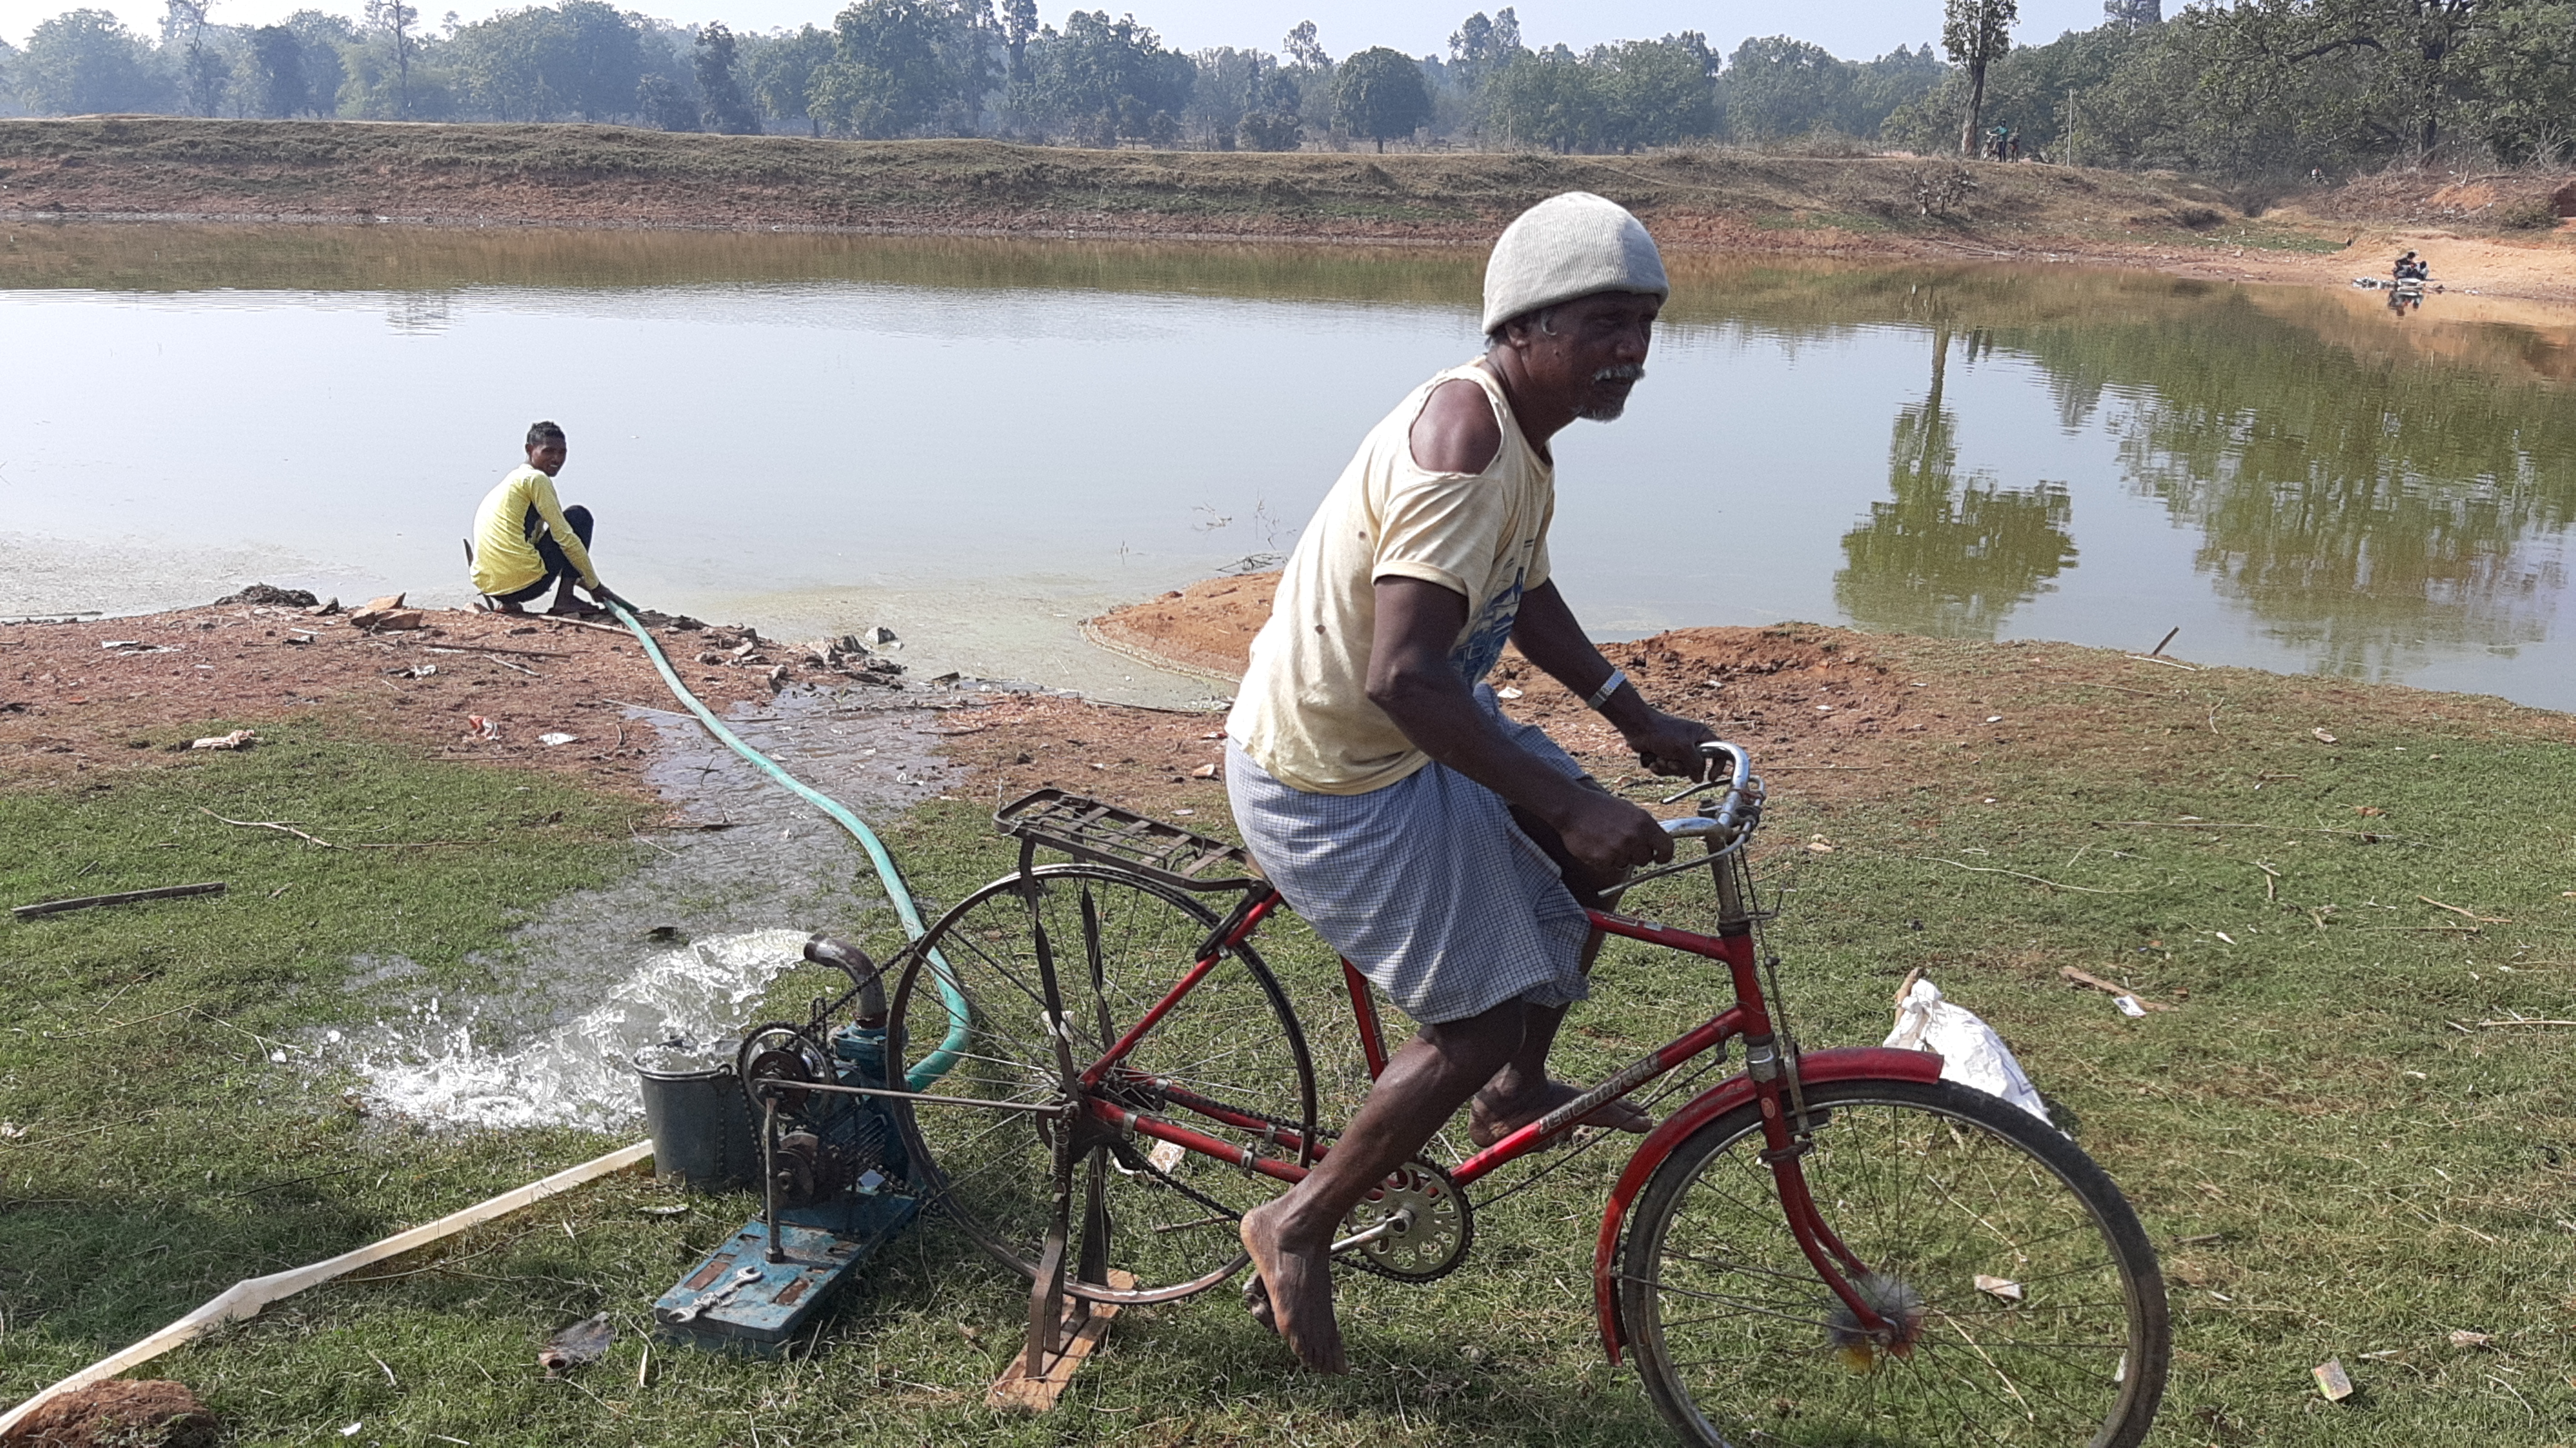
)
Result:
{"points": [[119, 1414]]}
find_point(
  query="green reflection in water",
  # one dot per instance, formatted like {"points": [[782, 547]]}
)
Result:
{"points": [[1947, 556], [437, 259], [2375, 492], [2373, 509]]}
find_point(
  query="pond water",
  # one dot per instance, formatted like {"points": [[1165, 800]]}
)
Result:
{"points": [[979, 442]]}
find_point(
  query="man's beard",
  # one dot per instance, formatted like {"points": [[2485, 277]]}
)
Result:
{"points": [[1608, 409]]}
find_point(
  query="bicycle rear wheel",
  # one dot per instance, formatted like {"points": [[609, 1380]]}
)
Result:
{"points": [[1117, 944], [2040, 1307]]}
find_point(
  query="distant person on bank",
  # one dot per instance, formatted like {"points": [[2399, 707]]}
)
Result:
{"points": [[526, 539]]}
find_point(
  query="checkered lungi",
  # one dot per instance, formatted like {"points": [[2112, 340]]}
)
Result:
{"points": [[1426, 885]]}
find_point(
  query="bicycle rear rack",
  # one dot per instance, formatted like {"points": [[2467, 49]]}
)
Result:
{"points": [[1104, 834]]}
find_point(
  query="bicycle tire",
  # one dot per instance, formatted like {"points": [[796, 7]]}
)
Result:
{"points": [[1736, 1337], [1233, 1039]]}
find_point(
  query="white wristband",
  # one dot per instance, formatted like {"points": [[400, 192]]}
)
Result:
{"points": [[1609, 686]]}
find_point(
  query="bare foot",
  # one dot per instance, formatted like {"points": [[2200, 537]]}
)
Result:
{"points": [[1494, 1117], [1299, 1286], [574, 608], [1256, 1300], [501, 605]]}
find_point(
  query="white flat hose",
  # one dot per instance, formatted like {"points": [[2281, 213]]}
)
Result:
{"points": [[246, 1298]]}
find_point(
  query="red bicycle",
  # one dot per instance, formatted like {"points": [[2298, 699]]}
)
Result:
{"points": [[1832, 1246]]}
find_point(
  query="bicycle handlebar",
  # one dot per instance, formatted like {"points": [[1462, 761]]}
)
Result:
{"points": [[1735, 813]]}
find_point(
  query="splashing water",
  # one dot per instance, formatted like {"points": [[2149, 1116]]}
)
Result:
{"points": [[429, 1068]]}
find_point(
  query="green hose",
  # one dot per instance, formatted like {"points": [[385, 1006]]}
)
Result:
{"points": [[960, 1020]]}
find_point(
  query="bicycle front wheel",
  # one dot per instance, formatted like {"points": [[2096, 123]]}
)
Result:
{"points": [[2035, 1310], [970, 1025]]}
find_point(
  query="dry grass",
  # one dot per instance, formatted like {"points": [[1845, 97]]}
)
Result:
{"points": [[339, 170]]}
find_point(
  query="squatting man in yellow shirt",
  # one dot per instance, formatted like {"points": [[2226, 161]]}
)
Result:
{"points": [[1445, 850], [525, 538]]}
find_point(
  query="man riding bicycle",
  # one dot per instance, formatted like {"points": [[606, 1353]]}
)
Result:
{"points": [[1447, 851]]}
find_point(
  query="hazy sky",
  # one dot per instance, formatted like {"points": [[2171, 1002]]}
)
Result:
{"points": [[1853, 28]]}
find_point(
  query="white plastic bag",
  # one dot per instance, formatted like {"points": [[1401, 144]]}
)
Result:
{"points": [[1971, 1053]]}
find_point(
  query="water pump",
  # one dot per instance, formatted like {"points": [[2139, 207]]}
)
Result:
{"points": [[834, 1178]]}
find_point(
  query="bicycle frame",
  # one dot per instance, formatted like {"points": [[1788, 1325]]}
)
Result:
{"points": [[1766, 1081]]}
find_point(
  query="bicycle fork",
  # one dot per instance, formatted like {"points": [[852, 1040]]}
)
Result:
{"points": [[1874, 1311]]}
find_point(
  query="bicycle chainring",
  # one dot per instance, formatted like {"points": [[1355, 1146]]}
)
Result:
{"points": [[1438, 1225]]}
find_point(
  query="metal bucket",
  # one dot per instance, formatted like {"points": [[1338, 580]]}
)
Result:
{"points": [[699, 1119]]}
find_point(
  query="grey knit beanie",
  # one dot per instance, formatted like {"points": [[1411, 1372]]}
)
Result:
{"points": [[1565, 247]]}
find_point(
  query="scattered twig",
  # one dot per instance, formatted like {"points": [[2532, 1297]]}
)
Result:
{"points": [[215, 1020], [505, 663], [2160, 643], [2520, 1021], [87, 1131], [280, 826], [2466, 914], [2107, 988], [2168, 663], [2271, 880], [289, 1182], [584, 623], [494, 649], [114, 1026], [163, 892], [2213, 718], [285, 828], [2276, 829], [2018, 875]]}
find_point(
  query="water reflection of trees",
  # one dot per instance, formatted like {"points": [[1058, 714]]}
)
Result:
{"points": [[2370, 510], [1949, 556], [2373, 495]]}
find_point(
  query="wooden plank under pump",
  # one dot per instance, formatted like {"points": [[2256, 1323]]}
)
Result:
{"points": [[1018, 1390]]}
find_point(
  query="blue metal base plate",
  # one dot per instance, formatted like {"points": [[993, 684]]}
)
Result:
{"points": [[737, 1298]]}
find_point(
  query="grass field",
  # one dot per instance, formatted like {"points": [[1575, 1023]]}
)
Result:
{"points": [[2336, 1148]]}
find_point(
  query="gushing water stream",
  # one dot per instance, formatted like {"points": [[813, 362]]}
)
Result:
{"points": [[430, 1067]]}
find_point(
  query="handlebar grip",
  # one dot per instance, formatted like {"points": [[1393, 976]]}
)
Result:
{"points": [[1692, 827]]}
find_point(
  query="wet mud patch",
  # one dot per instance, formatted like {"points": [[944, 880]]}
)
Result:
{"points": [[688, 946]]}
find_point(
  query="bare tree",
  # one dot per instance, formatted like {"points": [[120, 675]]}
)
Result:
{"points": [[396, 19], [1976, 33], [202, 71]]}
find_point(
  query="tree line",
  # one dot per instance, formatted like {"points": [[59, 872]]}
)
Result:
{"points": [[890, 68], [2222, 86], [2282, 87]]}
